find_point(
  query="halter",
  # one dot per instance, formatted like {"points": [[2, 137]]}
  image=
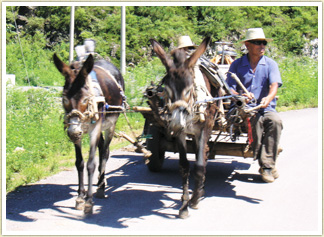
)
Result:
{"points": [[92, 113], [182, 103]]}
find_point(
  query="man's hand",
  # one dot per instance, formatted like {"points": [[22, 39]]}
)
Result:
{"points": [[250, 96], [273, 91], [265, 102]]}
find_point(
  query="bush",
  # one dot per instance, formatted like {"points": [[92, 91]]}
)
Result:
{"points": [[300, 83], [36, 143]]}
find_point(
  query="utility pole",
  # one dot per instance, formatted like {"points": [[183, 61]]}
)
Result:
{"points": [[123, 41], [71, 34]]}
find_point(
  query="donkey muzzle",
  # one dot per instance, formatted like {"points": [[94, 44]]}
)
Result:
{"points": [[74, 129], [178, 121]]}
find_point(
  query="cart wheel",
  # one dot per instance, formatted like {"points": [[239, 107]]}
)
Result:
{"points": [[154, 144]]}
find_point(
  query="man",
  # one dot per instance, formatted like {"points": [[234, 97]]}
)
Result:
{"points": [[261, 77]]}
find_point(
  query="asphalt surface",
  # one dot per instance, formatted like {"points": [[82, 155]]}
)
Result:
{"points": [[140, 202]]}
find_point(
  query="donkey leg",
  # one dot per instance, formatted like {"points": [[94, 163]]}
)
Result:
{"points": [[184, 171], [79, 163], [183, 211], [199, 170], [199, 176], [102, 163], [91, 165], [104, 156]]}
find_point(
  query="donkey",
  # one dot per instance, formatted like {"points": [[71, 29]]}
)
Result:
{"points": [[88, 91], [180, 102]]}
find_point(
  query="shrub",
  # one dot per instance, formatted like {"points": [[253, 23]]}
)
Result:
{"points": [[300, 83], [35, 139]]}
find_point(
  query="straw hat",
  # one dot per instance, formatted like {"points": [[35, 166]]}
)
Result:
{"points": [[185, 41], [255, 34]]}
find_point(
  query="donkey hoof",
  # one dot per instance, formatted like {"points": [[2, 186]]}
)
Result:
{"points": [[194, 202], [195, 199], [194, 205], [88, 208], [100, 193], [183, 214], [79, 203]]}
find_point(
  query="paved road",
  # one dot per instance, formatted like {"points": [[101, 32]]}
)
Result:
{"points": [[141, 202]]}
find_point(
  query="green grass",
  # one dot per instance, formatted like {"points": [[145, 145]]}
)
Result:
{"points": [[34, 136], [300, 83]]}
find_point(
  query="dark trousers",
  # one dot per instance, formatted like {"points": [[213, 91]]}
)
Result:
{"points": [[266, 131]]}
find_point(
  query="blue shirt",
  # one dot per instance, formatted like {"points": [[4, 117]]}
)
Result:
{"points": [[266, 73]]}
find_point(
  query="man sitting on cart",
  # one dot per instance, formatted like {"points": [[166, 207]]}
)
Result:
{"points": [[261, 77]]}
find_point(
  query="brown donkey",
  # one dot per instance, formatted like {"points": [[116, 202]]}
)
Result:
{"points": [[91, 89], [183, 121]]}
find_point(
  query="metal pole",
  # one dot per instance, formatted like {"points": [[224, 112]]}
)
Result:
{"points": [[71, 34], [123, 41]]}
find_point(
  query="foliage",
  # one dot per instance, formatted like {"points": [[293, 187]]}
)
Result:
{"points": [[36, 67], [48, 28], [290, 27], [34, 136], [300, 83]]}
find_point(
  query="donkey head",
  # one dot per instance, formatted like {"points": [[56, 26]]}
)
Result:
{"points": [[76, 93], [179, 83]]}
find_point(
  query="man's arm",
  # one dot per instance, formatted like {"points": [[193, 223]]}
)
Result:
{"points": [[272, 93]]}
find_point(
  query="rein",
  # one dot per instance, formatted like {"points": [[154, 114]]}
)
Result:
{"points": [[90, 114]]}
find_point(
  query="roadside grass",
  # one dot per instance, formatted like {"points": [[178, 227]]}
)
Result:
{"points": [[37, 145], [300, 83], [35, 141]]}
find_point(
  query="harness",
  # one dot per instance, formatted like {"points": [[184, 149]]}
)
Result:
{"points": [[191, 106], [196, 105], [96, 97]]}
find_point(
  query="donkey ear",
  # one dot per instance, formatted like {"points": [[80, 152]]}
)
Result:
{"points": [[88, 64], [199, 51], [161, 53], [87, 67], [80, 80], [64, 69]]}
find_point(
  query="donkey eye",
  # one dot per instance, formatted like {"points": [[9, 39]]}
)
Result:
{"points": [[66, 104], [85, 101], [169, 91], [66, 101], [187, 93]]}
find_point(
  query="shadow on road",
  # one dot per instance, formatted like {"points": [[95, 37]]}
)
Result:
{"points": [[133, 192], [32, 198]]}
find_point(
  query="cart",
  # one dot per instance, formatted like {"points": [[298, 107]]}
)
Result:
{"points": [[230, 134]]}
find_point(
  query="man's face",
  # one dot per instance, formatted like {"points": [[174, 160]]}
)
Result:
{"points": [[256, 47]]}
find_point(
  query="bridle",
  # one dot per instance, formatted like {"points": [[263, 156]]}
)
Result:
{"points": [[90, 113], [187, 106]]}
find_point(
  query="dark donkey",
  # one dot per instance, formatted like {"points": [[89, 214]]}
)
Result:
{"points": [[89, 89], [180, 101]]}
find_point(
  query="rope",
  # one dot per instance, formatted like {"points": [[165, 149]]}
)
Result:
{"points": [[22, 53], [106, 71], [130, 126]]}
